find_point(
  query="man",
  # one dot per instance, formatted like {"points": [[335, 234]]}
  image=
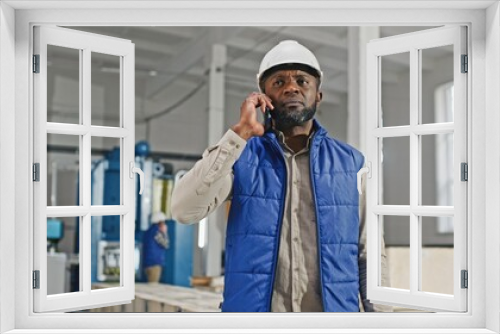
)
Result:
{"points": [[293, 233], [155, 242]]}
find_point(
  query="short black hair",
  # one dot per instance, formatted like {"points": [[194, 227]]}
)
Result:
{"points": [[289, 66]]}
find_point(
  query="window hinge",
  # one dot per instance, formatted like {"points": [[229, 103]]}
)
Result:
{"points": [[36, 279], [465, 64], [465, 279], [36, 172], [36, 63], [464, 171]]}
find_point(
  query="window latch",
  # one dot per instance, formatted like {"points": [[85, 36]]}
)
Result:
{"points": [[132, 171], [368, 170]]}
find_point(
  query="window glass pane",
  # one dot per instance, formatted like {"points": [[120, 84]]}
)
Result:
{"points": [[106, 255], [437, 254], [63, 84], [63, 168], [63, 274], [395, 86], [437, 99], [396, 231], [437, 169], [105, 90], [395, 166], [106, 177]]}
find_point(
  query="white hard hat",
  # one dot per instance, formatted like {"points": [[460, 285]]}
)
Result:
{"points": [[158, 217], [288, 52]]}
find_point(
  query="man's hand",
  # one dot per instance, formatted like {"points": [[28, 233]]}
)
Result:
{"points": [[248, 125], [162, 228]]}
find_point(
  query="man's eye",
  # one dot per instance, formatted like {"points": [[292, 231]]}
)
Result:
{"points": [[278, 83], [302, 82]]}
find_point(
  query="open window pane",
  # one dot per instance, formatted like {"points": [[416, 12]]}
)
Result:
{"points": [[437, 255], [106, 171], [105, 89], [397, 238], [66, 145], [395, 166], [106, 249], [63, 255], [429, 153], [437, 69], [63, 83], [63, 170], [395, 84]]}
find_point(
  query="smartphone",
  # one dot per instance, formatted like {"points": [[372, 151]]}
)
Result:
{"points": [[267, 120]]}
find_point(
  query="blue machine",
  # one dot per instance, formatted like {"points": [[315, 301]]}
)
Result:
{"points": [[111, 224], [179, 258], [177, 269], [55, 230]]}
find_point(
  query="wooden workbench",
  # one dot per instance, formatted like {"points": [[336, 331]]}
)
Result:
{"points": [[170, 298], [164, 298]]}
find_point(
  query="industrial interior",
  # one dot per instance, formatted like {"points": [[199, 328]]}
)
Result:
{"points": [[174, 94]]}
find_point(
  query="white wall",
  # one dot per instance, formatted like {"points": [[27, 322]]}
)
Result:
{"points": [[7, 170], [492, 162]]}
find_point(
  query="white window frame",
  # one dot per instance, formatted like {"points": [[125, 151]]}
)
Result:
{"points": [[483, 100], [414, 44], [85, 44]]}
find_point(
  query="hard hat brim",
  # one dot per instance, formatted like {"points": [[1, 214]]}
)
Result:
{"points": [[262, 77]]}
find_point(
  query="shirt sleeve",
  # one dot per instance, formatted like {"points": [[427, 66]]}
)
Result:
{"points": [[365, 304], [209, 183]]}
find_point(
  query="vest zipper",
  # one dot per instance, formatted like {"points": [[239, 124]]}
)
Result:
{"points": [[280, 223], [318, 229]]}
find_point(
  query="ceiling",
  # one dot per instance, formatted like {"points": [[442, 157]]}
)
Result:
{"points": [[179, 56]]}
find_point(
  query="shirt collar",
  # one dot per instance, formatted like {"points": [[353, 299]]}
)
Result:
{"points": [[281, 137]]}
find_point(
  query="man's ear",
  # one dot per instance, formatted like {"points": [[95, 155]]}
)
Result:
{"points": [[319, 96]]}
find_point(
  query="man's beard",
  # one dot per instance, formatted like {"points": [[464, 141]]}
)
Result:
{"points": [[286, 119]]}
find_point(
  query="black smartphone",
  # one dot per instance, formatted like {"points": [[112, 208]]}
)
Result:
{"points": [[267, 120]]}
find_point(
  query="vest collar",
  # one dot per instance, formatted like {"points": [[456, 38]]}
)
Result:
{"points": [[318, 133]]}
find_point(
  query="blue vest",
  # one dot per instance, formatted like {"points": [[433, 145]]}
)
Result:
{"points": [[154, 254], [254, 224]]}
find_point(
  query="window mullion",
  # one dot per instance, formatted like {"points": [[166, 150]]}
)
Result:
{"points": [[414, 169], [108, 210], [127, 197], [66, 129], [85, 254], [85, 163]]}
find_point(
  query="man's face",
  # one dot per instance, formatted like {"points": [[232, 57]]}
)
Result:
{"points": [[295, 96]]}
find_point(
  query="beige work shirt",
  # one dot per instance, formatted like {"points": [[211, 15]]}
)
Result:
{"points": [[297, 284]]}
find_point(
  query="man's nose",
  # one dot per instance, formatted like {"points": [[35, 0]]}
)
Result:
{"points": [[291, 87]]}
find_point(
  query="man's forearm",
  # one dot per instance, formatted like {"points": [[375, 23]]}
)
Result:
{"points": [[209, 182]]}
